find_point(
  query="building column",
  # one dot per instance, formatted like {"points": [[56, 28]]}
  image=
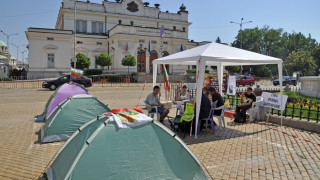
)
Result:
{"points": [[147, 63]]}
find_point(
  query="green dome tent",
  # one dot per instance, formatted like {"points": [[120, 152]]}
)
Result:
{"points": [[69, 115], [100, 150]]}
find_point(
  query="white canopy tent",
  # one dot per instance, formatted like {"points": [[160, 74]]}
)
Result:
{"points": [[215, 54]]}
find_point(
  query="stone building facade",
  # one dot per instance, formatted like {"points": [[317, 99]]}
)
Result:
{"points": [[117, 28]]}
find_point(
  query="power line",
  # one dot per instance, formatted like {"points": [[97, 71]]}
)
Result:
{"points": [[29, 14]]}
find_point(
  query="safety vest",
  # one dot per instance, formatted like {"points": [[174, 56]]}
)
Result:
{"points": [[188, 113]]}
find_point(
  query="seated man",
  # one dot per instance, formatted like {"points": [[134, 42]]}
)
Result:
{"points": [[216, 97], [205, 108], [240, 115], [153, 100]]}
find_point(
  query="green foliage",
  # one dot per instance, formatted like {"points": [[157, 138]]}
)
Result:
{"points": [[300, 61], [276, 43], [129, 61], [218, 40], [5, 79], [193, 71], [233, 69], [16, 72], [83, 62], [90, 72], [104, 60]]}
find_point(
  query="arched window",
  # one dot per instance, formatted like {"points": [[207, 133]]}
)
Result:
{"points": [[153, 53], [165, 53]]}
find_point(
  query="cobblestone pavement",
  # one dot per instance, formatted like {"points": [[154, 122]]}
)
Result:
{"points": [[239, 151]]}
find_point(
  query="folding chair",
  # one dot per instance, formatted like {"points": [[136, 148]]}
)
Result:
{"points": [[210, 118], [221, 117], [151, 113]]}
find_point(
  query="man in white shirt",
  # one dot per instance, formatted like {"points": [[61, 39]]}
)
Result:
{"points": [[153, 100]]}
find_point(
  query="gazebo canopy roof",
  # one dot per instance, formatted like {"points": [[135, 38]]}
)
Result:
{"points": [[217, 54]]}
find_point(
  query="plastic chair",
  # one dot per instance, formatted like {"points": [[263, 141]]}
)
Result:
{"points": [[221, 117], [150, 112], [255, 108], [210, 118]]}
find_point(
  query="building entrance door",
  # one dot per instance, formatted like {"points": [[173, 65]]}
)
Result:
{"points": [[141, 61], [153, 56]]}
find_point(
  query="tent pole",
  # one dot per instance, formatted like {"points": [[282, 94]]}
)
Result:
{"points": [[155, 68], [201, 64], [280, 80], [220, 77]]}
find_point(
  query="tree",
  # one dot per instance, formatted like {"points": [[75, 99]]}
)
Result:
{"points": [[233, 69], [300, 61], [83, 62], [218, 40], [316, 56], [129, 61], [104, 60]]}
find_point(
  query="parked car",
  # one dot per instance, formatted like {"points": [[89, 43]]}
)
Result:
{"points": [[286, 80], [244, 80], [53, 84]]}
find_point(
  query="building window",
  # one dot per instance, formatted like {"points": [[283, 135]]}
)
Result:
{"points": [[99, 43], [131, 22], [79, 42], [100, 27], [183, 29], [154, 42], [165, 42], [141, 41], [120, 21], [81, 26], [97, 27], [50, 38], [174, 28], [50, 60]]}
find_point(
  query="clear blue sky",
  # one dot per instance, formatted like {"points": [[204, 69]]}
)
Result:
{"points": [[209, 18]]}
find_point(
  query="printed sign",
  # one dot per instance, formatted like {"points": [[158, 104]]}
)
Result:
{"points": [[231, 90], [274, 100]]}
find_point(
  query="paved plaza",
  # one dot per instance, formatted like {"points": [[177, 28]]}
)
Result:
{"points": [[239, 151]]}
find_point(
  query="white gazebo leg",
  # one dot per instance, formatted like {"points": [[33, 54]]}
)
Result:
{"points": [[220, 78], [280, 80], [201, 64], [155, 68]]}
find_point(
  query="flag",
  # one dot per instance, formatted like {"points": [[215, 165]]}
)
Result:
{"points": [[127, 47], [76, 73], [149, 47], [166, 78], [181, 48], [129, 117], [162, 32]]}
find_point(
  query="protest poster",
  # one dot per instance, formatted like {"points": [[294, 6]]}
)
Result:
{"points": [[273, 101], [231, 90]]}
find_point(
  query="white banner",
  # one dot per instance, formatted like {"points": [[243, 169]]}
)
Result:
{"points": [[274, 100], [231, 86]]}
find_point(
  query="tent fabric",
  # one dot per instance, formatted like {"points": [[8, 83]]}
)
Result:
{"points": [[65, 91], [100, 150], [219, 55], [42, 117], [69, 115]]}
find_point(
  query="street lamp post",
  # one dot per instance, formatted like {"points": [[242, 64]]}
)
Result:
{"points": [[8, 36], [17, 46], [241, 23], [23, 56]]}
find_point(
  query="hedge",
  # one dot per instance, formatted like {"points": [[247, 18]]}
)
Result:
{"points": [[193, 71], [90, 72]]}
